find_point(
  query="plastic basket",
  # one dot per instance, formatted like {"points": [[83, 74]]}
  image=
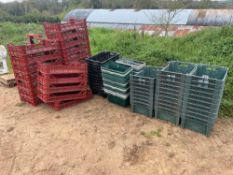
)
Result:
{"points": [[62, 96], [64, 104], [77, 68], [102, 58], [116, 72], [170, 86], [142, 90], [61, 79], [136, 65], [142, 109], [202, 98], [62, 88]]}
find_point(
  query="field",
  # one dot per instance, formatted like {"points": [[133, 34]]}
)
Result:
{"points": [[87, 140], [211, 46]]}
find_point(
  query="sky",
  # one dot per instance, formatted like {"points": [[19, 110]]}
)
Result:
{"points": [[22, 0], [8, 0]]}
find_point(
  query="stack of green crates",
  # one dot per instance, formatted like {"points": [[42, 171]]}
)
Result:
{"points": [[142, 91], [116, 82], [202, 98], [170, 85]]}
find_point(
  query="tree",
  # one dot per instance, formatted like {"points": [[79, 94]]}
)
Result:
{"points": [[169, 10]]}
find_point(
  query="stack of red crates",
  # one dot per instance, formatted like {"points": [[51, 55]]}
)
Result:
{"points": [[24, 61], [73, 37], [53, 70], [62, 85]]}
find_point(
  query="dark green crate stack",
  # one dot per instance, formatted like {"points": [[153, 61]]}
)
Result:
{"points": [[116, 82], [94, 70], [202, 98], [170, 85], [142, 91]]}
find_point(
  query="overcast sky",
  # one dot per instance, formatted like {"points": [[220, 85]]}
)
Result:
{"points": [[8, 0], [22, 0]]}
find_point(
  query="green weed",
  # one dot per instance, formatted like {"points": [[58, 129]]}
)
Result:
{"points": [[152, 133]]}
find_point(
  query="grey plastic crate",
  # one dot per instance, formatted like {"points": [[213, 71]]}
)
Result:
{"points": [[170, 85], [136, 65], [142, 87], [202, 98], [140, 108]]}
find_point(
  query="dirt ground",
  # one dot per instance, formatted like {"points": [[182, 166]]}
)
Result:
{"points": [[99, 138]]}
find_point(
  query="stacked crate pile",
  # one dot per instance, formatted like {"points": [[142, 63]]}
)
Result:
{"points": [[171, 81], [94, 70], [142, 91], [62, 85], [53, 70], [116, 82], [202, 98], [24, 61], [73, 37]]}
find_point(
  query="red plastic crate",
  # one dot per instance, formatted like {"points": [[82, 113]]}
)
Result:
{"points": [[26, 83], [27, 91], [24, 61], [72, 34], [63, 69], [25, 76], [29, 99], [80, 48], [62, 96], [77, 57], [62, 88], [44, 47], [79, 35], [25, 69], [53, 79], [74, 44], [63, 104], [53, 30]]}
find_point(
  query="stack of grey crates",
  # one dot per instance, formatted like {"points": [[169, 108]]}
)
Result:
{"points": [[171, 81], [202, 98], [190, 95], [142, 91]]}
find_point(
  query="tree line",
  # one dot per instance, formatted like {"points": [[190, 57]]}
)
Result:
{"points": [[51, 10]]}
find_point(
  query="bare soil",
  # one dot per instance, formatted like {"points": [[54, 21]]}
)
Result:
{"points": [[100, 138]]}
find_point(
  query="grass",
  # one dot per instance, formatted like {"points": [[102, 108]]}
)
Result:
{"points": [[16, 33], [211, 46], [151, 134]]}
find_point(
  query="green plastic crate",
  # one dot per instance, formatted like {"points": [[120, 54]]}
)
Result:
{"points": [[118, 101], [116, 84], [170, 84], [142, 109], [117, 89], [121, 99], [142, 90], [202, 98], [136, 65], [142, 85], [197, 125], [116, 72]]}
